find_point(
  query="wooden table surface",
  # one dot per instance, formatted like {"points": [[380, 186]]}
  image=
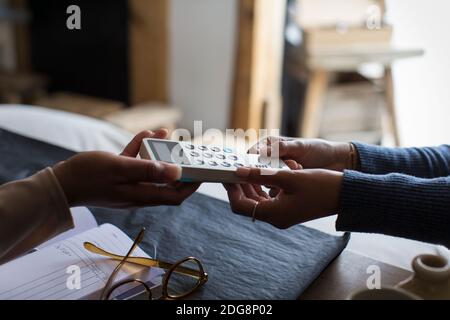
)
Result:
{"points": [[349, 273]]}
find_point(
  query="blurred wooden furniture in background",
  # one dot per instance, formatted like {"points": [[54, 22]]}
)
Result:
{"points": [[145, 116], [257, 81], [134, 74], [148, 50], [349, 36], [21, 88], [321, 66], [81, 104]]}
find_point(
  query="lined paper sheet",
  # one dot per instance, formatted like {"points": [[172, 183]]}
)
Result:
{"points": [[83, 220], [43, 275]]}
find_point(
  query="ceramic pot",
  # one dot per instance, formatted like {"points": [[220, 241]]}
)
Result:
{"points": [[386, 293], [431, 278]]}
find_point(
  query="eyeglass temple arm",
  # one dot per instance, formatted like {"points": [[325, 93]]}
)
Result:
{"points": [[146, 262]]}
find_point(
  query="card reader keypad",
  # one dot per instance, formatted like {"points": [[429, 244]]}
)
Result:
{"points": [[204, 163], [215, 156]]}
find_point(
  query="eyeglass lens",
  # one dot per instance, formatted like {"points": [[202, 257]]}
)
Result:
{"points": [[178, 283], [130, 289]]}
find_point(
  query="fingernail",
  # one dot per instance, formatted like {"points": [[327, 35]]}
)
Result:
{"points": [[158, 170], [243, 172], [150, 132], [175, 172]]}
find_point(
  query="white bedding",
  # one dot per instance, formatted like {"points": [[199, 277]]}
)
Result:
{"points": [[67, 130], [81, 133]]}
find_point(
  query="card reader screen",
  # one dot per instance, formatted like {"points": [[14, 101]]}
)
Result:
{"points": [[168, 151]]}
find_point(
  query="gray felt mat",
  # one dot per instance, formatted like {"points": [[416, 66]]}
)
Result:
{"points": [[244, 260]]}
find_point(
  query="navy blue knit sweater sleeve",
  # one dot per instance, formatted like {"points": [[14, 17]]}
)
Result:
{"points": [[429, 162], [396, 204]]}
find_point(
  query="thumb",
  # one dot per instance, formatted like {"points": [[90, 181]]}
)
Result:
{"points": [[284, 179], [132, 149], [276, 149], [138, 170], [291, 149]]}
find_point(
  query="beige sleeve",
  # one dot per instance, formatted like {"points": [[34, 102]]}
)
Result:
{"points": [[32, 211]]}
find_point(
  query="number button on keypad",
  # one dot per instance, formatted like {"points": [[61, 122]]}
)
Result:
{"points": [[226, 164], [199, 162]]}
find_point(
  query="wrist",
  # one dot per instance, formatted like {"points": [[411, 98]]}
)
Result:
{"points": [[344, 155], [354, 158], [325, 186], [64, 181], [335, 183]]}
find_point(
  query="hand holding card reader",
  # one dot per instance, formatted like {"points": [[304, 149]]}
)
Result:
{"points": [[205, 163]]}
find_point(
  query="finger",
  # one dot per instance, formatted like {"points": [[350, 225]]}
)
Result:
{"points": [[184, 191], [265, 209], [294, 149], [271, 211], [138, 170], [260, 191], [293, 165], [132, 149], [280, 178], [273, 192], [149, 195], [239, 202], [161, 133], [277, 148], [250, 192], [287, 149], [241, 205], [263, 143], [178, 184], [236, 194]]}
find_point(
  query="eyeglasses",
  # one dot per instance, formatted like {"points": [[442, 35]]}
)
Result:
{"points": [[181, 279]]}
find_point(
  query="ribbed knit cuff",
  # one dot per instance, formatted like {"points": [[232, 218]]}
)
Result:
{"points": [[396, 204], [427, 162], [375, 159]]}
